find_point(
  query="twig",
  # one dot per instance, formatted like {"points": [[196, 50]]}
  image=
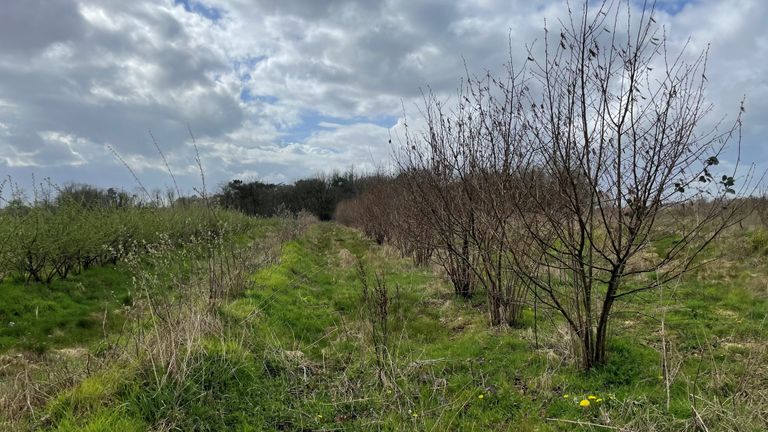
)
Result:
{"points": [[167, 166], [699, 419], [133, 173], [581, 423]]}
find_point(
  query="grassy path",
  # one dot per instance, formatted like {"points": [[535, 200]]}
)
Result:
{"points": [[295, 353], [447, 370]]}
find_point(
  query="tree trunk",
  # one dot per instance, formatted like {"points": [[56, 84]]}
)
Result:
{"points": [[494, 304], [602, 331], [587, 347]]}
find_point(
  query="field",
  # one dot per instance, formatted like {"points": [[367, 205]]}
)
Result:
{"points": [[568, 234], [303, 347]]}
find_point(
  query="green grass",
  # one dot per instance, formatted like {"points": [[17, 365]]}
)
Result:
{"points": [[37, 317], [82, 308], [296, 355]]}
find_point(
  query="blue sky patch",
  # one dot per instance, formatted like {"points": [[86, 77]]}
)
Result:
{"points": [[249, 62], [246, 96], [671, 7], [244, 66], [312, 121], [194, 6]]}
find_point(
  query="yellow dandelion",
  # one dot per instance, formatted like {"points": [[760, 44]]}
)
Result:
{"points": [[480, 396], [584, 403], [598, 400], [566, 396], [591, 397]]}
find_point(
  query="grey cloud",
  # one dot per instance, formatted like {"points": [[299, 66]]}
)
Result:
{"points": [[107, 77], [26, 27], [350, 10], [109, 85]]}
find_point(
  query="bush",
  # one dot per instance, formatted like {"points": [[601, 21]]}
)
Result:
{"points": [[44, 241]]}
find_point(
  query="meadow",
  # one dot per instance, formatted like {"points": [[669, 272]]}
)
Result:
{"points": [[325, 329], [556, 248]]}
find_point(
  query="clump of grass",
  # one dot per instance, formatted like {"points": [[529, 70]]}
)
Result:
{"points": [[379, 308], [759, 241]]}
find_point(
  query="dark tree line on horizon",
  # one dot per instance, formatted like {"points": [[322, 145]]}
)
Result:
{"points": [[317, 195]]}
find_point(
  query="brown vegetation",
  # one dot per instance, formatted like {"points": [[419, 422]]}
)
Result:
{"points": [[552, 178]]}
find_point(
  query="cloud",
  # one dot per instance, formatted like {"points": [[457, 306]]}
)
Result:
{"points": [[22, 22], [735, 35], [283, 89]]}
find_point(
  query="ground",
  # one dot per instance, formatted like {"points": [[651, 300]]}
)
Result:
{"points": [[295, 352]]}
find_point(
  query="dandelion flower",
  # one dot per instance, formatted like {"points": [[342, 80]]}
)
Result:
{"points": [[598, 400], [480, 396], [566, 396], [591, 397], [584, 403]]}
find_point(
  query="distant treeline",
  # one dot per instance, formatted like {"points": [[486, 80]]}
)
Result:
{"points": [[318, 195]]}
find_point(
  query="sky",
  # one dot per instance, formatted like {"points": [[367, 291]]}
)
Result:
{"points": [[277, 90]]}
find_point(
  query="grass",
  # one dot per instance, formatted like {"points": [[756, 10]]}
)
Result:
{"points": [[80, 309], [295, 353]]}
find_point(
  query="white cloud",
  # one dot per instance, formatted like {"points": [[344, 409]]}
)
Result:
{"points": [[321, 81]]}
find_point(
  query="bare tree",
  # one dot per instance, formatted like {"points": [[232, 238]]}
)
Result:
{"points": [[384, 213], [616, 128], [459, 176], [432, 197], [565, 175]]}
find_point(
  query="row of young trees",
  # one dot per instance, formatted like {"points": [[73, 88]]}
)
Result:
{"points": [[63, 230], [81, 226], [552, 180]]}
